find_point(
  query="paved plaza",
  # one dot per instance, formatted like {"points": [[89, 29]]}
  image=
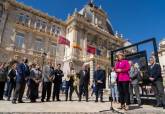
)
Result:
{"points": [[74, 107]]}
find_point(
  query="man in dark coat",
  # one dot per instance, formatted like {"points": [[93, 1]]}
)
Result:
{"points": [[157, 82], [99, 77], [2, 80], [22, 74], [11, 79], [84, 82], [57, 80]]}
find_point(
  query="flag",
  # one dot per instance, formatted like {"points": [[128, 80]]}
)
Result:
{"points": [[75, 45], [63, 40], [91, 49], [98, 51]]}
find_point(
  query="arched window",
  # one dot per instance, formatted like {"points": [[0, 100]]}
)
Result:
{"points": [[53, 49], [19, 40], [27, 20], [38, 45]]}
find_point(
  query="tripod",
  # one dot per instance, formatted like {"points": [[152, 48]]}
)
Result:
{"points": [[110, 97], [111, 100]]}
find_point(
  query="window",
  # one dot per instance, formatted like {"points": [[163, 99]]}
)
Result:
{"points": [[21, 18], [27, 20], [38, 45], [43, 25], [60, 50], [38, 24], [19, 41], [53, 49], [53, 28], [56, 30], [1, 10], [89, 16], [24, 19]]}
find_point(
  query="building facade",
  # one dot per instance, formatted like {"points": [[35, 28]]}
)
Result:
{"points": [[25, 31], [162, 54]]}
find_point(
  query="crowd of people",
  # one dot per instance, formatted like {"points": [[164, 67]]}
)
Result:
{"points": [[16, 77], [124, 82]]}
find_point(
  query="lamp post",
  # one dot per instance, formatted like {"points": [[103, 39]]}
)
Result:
{"points": [[43, 55]]}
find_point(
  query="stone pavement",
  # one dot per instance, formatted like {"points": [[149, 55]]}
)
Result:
{"points": [[74, 107]]}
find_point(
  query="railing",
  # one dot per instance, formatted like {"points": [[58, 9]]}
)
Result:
{"points": [[32, 25]]}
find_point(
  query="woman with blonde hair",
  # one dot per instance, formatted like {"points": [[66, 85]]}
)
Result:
{"points": [[122, 68]]}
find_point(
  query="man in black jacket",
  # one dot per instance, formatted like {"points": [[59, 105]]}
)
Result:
{"points": [[84, 82], [58, 74], [11, 78], [99, 77], [157, 82]]}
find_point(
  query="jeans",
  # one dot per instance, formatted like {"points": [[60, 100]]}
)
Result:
{"points": [[99, 91], [11, 86], [114, 92], [7, 88], [134, 87]]}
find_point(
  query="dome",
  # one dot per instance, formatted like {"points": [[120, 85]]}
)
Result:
{"points": [[162, 44]]}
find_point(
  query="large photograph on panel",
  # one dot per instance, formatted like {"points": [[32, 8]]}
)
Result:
{"points": [[140, 58]]}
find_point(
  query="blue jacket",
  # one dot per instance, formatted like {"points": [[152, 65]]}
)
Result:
{"points": [[22, 72], [99, 75]]}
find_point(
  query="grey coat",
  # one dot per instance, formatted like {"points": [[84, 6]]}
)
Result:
{"points": [[46, 73], [134, 73]]}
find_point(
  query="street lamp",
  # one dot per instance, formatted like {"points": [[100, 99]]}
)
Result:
{"points": [[43, 54]]}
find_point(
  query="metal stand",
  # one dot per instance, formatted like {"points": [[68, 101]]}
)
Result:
{"points": [[111, 104]]}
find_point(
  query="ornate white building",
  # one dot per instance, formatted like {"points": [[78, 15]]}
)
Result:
{"points": [[162, 54], [25, 31]]}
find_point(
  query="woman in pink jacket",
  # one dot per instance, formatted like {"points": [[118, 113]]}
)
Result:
{"points": [[122, 68]]}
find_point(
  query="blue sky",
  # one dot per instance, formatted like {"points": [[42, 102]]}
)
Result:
{"points": [[135, 19]]}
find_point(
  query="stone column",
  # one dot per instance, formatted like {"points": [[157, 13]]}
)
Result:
{"points": [[30, 44], [92, 69], [85, 45], [12, 41], [93, 18], [46, 45], [73, 40], [3, 20]]}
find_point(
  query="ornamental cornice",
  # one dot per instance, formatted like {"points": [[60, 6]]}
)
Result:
{"points": [[36, 12]]}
